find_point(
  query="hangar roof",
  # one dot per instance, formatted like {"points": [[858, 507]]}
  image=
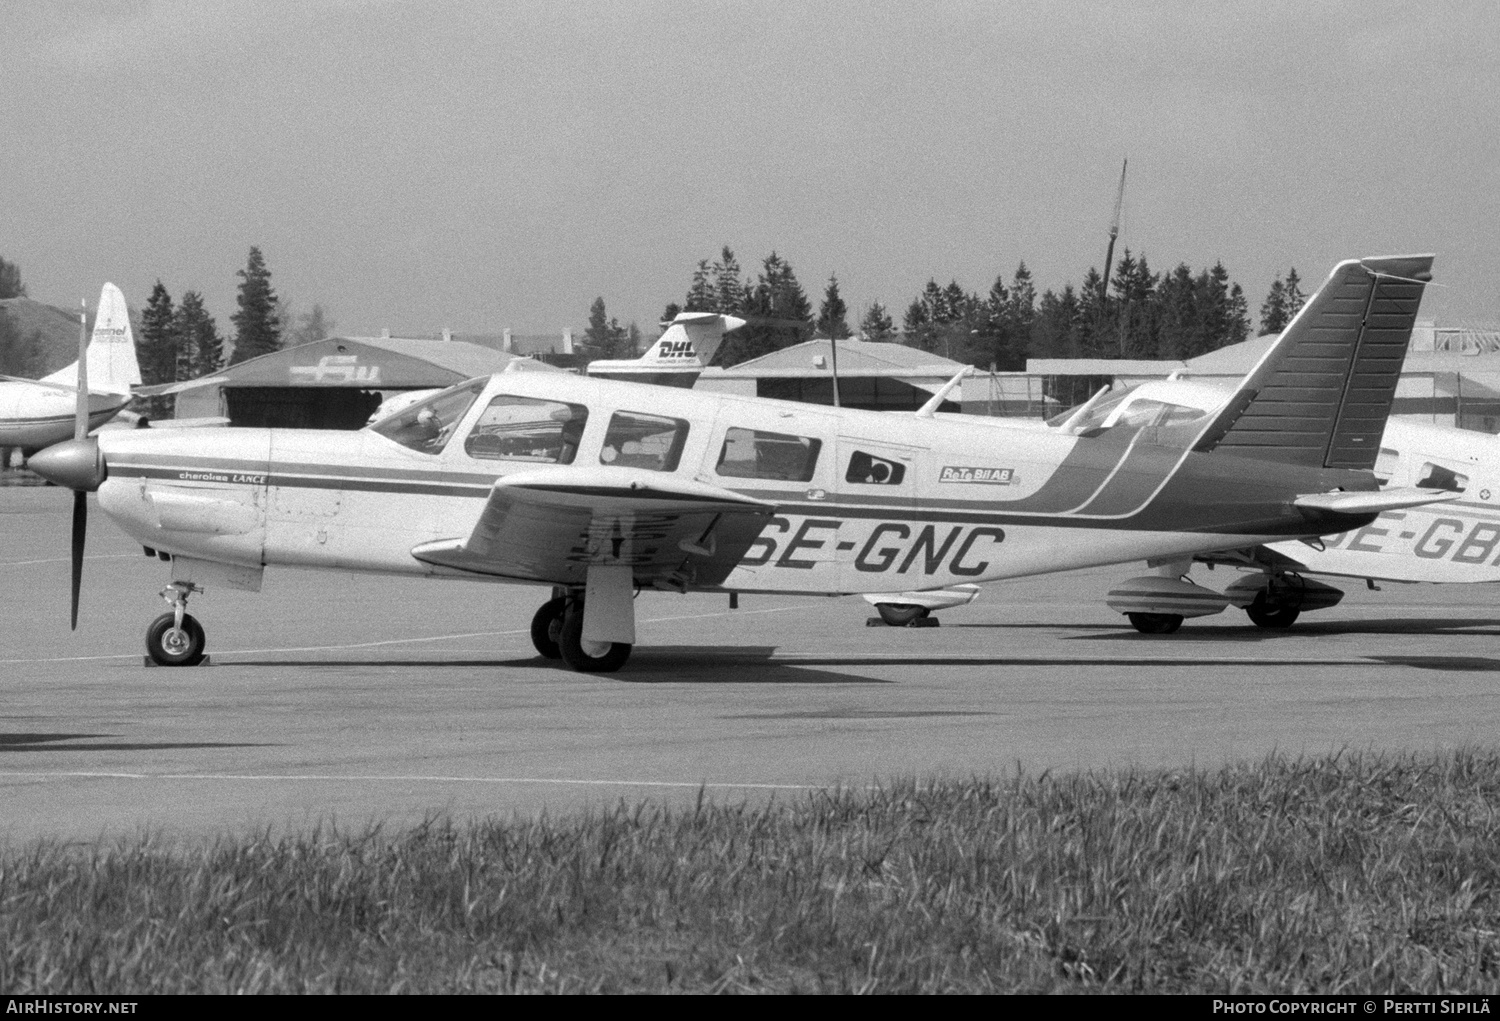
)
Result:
{"points": [[371, 363], [856, 357]]}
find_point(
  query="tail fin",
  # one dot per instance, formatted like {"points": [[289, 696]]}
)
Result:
{"points": [[111, 353], [688, 345], [1321, 395]]}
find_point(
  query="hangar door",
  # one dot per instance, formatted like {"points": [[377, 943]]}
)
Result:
{"points": [[300, 407]]}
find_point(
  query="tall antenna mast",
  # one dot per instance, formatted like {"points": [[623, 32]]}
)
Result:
{"points": [[1114, 232]]}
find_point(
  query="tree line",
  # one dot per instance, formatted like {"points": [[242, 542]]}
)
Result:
{"points": [[181, 340], [1138, 314]]}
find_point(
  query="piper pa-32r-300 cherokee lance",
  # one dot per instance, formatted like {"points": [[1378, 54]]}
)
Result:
{"points": [[602, 488]]}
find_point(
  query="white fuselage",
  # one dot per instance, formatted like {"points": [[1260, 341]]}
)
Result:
{"points": [[942, 500], [37, 415], [1457, 541]]}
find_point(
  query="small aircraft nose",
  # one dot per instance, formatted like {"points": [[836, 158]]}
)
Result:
{"points": [[76, 464]]}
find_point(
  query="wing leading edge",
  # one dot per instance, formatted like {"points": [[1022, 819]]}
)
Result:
{"points": [[551, 526]]}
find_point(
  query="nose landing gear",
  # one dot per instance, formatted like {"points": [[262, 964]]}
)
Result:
{"points": [[176, 638]]}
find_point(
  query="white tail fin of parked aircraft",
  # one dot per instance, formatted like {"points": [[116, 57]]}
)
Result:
{"points": [[678, 357], [36, 413], [112, 365]]}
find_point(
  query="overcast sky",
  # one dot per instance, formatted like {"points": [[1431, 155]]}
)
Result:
{"points": [[480, 165]]}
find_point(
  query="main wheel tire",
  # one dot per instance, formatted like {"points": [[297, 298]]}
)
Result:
{"points": [[1263, 615], [1155, 623], [546, 626], [168, 645], [900, 614], [588, 657]]}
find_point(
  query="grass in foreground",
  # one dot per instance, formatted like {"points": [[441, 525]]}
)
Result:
{"points": [[1364, 873]]}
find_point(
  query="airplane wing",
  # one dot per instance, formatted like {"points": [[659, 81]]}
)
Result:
{"points": [[62, 387], [551, 525]]}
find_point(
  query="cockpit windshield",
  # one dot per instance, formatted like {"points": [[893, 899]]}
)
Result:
{"points": [[1135, 407], [427, 426]]}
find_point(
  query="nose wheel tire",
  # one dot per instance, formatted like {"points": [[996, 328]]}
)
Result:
{"points": [[1155, 623], [169, 645], [588, 657], [546, 626]]}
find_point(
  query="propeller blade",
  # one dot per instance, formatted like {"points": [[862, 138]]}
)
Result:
{"points": [[80, 527], [81, 422]]}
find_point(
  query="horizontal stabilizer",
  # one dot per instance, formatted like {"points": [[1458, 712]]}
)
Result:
{"points": [[1372, 502]]}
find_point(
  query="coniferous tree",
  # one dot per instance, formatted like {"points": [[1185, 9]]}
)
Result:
{"points": [[1094, 317], [917, 326], [831, 315], [728, 289], [605, 337], [1239, 316], [700, 296], [158, 342], [1273, 314], [778, 311], [1178, 311], [877, 324], [1295, 299], [632, 341], [257, 326], [672, 311], [10, 280], [200, 349], [157, 347]]}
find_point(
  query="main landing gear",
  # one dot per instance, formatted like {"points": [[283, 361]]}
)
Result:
{"points": [[176, 638], [557, 633]]}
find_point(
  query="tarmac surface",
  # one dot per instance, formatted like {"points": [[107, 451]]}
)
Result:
{"points": [[335, 698]]}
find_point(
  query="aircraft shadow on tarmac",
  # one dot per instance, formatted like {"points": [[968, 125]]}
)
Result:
{"points": [[1247, 633], [50, 743], [656, 664]]}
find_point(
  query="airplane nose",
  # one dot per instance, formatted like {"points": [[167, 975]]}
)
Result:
{"points": [[76, 464]]}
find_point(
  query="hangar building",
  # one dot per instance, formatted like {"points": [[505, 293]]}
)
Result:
{"points": [[336, 383], [874, 375]]}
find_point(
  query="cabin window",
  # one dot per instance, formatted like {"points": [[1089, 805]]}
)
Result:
{"points": [[643, 441], [427, 426], [753, 454], [527, 429], [870, 470], [1435, 476]]}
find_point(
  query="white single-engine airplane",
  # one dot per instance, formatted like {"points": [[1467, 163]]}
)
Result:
{"points": [[602, 488], [36, 413], [1456, 541]]}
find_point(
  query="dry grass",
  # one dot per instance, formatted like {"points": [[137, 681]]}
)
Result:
{"points": [[1358, 872]]}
